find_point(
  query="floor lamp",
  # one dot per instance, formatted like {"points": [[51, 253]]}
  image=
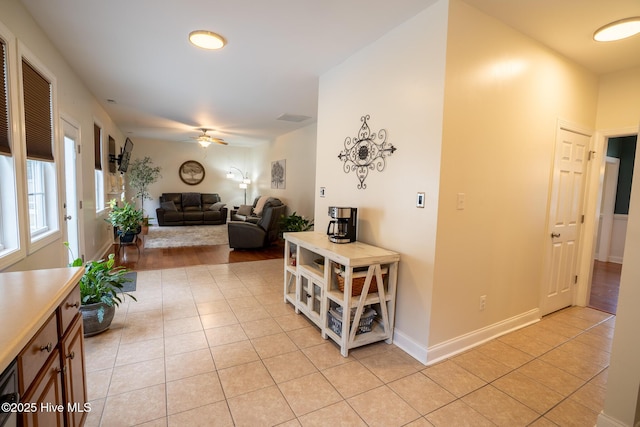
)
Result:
{"points": [[245, 180]]}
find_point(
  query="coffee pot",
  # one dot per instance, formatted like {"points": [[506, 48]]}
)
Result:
{"points": [[342, 227]]}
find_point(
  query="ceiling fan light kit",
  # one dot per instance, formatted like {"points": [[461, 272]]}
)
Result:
{"points": [[618, 30], [207, 39], [205, 140]]}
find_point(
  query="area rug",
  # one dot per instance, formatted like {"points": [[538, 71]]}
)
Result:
{"points": [[188, 235], [130, 284]]}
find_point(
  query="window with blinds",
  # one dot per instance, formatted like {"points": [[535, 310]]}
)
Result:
{"points": [[5, 147], [38, 115], [37, 93]]}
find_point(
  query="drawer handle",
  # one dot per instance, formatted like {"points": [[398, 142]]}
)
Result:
{"points": [[71, 355], [47, 347], [74, 305]]}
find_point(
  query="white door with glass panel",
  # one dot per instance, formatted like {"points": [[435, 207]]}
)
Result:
{"points": [[565, 217], [71, 205]]}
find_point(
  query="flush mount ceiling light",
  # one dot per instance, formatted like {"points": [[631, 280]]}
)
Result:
{"points": [[618, 30], [207, 39]]}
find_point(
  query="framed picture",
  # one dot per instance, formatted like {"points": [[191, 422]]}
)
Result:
{"points": [[191, 172], [278, 174]]}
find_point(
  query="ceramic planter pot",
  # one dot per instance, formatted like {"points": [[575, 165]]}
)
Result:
{"points": [[92, 326]]}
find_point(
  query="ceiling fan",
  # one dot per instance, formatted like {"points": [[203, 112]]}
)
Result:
{"points": [[205, 140]]}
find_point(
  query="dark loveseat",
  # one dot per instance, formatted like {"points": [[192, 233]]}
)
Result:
{"points": [[191, 209]]}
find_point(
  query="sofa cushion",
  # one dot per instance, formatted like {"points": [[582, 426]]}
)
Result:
{"points": [[217, 206], [176, 198], [191, 202], [257, 210], [168, 206], [245, 210], [209, 199]]}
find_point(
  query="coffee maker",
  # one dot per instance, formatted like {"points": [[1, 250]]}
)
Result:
{"points": [[342, 228]]}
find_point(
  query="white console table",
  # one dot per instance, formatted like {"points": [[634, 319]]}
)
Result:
{"points": [[312, 267]]}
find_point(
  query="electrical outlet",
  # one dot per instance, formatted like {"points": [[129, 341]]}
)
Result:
{"points": [[483, 302], [460, 201]]}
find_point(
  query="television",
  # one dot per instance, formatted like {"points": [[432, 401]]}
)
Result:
{"points": [[125, 155]]}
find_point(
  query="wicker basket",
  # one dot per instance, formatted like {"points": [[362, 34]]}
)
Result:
{"points": [[334, 318], [357, 283]]}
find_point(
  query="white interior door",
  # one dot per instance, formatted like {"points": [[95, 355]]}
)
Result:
{"points": [[71, 204], [565, 213]]}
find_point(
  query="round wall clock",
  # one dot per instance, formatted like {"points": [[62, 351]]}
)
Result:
{"points": [[191, 172]]}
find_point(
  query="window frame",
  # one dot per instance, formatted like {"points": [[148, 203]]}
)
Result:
{"points": [[99, 184], [11, 208]]}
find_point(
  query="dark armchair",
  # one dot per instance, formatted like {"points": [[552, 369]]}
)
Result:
{"points": [[247, 235]]}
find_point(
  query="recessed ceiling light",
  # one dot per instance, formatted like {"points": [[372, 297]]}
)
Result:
{"points": [[207, 39], [618, 30]]}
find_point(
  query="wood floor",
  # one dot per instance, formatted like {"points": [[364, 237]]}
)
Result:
{"points": [[604, 286], [154, 259]]}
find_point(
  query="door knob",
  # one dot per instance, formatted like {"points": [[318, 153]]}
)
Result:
{"points": [[67, 217], [555, 235]]}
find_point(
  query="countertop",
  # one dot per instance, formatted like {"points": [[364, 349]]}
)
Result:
{"points": [[27, 299], [350, 254]]}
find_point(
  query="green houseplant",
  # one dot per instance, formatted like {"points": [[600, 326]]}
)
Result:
{"points": [[295, 222], [141, 174], [126, 218], [101, 291]]}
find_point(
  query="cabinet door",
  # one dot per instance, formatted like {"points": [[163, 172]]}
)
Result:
{"points": [[45, 395], [75, 391]]}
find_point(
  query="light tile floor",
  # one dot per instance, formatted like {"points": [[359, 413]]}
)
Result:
{"points": [[217, 346]]}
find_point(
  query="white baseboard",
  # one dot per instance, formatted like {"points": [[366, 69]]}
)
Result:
{"points": [[409, 346], [605, 420], [464, 342]]}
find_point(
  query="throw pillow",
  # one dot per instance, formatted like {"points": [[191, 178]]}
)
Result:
{"points": [[217, 206], [244, 210], [260, 205], [168, 206]]}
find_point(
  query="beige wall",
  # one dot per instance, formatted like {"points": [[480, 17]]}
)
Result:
{"points": [[216, 159], [298, 148], [618, 108], [78, 104], [398, 81], [504, 95]]}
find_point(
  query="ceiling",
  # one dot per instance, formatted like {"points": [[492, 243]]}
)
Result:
{"points": [[135, 57]]}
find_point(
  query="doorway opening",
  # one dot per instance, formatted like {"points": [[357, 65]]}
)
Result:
{"points": [[612, 223]]}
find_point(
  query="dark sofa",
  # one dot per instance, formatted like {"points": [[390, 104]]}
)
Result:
{"points": [[191, 209]]}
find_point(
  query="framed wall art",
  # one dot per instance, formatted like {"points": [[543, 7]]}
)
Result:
{"points": [[279, 174], [191, 172]]}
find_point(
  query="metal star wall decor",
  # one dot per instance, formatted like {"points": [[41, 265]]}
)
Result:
{"points": [[362, 153]]}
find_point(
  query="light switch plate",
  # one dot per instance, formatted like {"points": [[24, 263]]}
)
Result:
{"points": [[321, 191], [460, 201], [420, 200]]}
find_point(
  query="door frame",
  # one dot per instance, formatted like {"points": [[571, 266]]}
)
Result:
{"points": [[66, 121], [607, 206], [593, 199]]}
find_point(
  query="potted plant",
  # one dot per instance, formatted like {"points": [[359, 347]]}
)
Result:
{"points": [[126, 218], [295, 222], [141, 174], [100, 292]]}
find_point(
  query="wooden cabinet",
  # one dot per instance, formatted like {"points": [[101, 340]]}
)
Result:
{"points": [[51, 370], [75, 390], [320, 278]]}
